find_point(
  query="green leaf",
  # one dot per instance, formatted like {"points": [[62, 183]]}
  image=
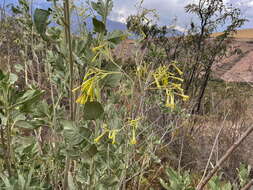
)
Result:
{"points": [[90, 151], [116, 37], [93, 110], [103, 8], [21, 181], [13, 78], [74, 134], [2, 76], [99, 26], [28, 99], [40, 20], [112, 80], [25, 125], [6, 182]]}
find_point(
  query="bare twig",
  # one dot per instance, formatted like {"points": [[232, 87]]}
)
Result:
{"points": [[202, 184], [212, 151], [248, 185]]}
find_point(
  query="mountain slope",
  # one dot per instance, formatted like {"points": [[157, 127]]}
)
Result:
{"points": [[241, 34]]}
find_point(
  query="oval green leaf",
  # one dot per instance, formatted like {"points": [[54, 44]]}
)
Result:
{"points": [[93, 110]]}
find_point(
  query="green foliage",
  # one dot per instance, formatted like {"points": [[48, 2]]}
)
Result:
{"points": [[93, 110], [103, 8], [41, 20], [244, 174], [212, 14], [111, 140], [216, 184], [177, 180], [99, 26]]}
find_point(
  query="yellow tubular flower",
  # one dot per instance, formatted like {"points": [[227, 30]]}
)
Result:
{"points": [[133, 140], [170, 102], [178, 70], [96, 140], [89, 85], [157, 82], [177, 78], [82, 99], [98, 48], [165, 80], [185, 97], [90, 93], [112, 135], [95, 57], [105, 130], [134, 124], [87, 89]]}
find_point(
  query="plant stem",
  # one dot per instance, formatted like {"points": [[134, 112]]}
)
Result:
{"points": [[8, 152], [71, 103], [70, 56]]}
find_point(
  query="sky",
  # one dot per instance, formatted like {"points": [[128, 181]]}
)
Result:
{"points": [[171, 12]]}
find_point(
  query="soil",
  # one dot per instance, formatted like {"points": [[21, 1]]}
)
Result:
{"points": [[239, 66]]}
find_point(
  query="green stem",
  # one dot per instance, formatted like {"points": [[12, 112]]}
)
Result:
{"points": [[8, 151], [71, 103]]}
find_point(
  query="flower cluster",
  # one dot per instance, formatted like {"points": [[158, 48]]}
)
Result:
{"points": [[134, 124], [90, 85], [111, 134], [169, 83]]}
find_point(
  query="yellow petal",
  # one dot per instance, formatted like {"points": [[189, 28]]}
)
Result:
{"points": [[98, 48], [133, 140], [77, 88], [96, 140]]}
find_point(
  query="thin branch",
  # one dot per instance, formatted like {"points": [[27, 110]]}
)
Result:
{"points": [[212, 151], [202, 184], [248, 185]]}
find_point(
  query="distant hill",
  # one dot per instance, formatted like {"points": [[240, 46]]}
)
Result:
{"points": [[241, 34]]}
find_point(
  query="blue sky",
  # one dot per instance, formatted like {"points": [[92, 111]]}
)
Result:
{"points": [[169, 11]]}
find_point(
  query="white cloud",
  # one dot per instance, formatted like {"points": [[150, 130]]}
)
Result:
{"points": [[179, 28], [120, 14], [250, 4], [167, 9]]}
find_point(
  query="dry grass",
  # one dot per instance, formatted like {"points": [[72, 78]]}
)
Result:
{"points": [[242, 34]]}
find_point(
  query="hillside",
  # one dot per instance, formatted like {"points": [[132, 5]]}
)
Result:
{"points": [[238, 67], [241, 34]]}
